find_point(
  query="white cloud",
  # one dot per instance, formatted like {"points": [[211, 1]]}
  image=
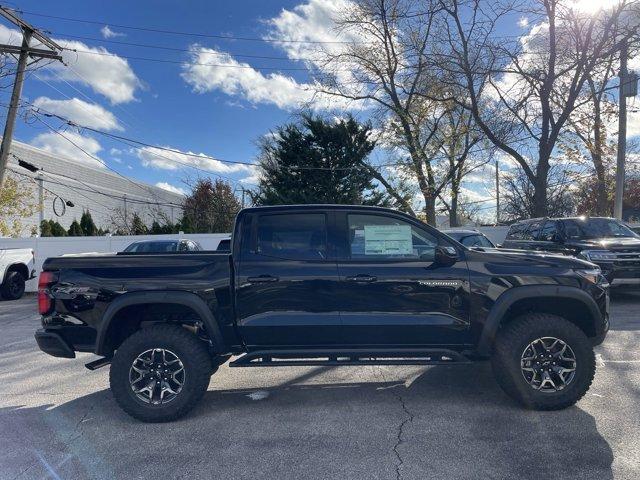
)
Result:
{"points": [[105, 73], [115, 151], [169, 160], [171, 188], [60, 144], [108, 33], [80, 112], [523, 22], [308, 22], [232, 77]]}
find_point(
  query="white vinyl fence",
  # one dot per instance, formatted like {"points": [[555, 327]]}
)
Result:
{"points": [[46, 247]]}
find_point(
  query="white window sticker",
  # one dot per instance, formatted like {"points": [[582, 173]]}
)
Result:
{"points": [[387, 240]]}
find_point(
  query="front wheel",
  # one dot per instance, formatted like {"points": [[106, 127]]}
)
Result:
{"points": [[543, 361], [159, 373]]}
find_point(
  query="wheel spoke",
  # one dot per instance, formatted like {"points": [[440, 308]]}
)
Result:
{"points": [[163, 373], [548, 364]]}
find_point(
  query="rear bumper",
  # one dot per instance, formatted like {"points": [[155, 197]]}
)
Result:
{"points": [[53, 344]]}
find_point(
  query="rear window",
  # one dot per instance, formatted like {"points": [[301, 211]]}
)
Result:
{"points": [[152, 247], [293, 236], [533, 231], [475, 240]]}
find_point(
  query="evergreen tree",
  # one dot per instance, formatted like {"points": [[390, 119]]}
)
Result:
{"points": [[89, 228], [137, 226], [318, 161], [45, 229], [75, 230], [57, 230]]}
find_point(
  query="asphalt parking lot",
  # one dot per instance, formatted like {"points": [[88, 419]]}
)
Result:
{"points": [[59, 420]]}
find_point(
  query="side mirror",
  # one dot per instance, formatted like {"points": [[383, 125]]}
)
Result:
{"points": [[445, 256]]}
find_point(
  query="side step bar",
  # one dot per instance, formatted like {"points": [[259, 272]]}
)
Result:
{"points": [[101, 362], [287, 358]]}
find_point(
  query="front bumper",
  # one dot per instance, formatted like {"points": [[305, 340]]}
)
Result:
{"points": [[621, 273]]}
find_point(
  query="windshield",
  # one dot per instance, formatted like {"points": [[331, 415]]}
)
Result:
{"points": [[475, 240], [471, 239], [596, 228]]}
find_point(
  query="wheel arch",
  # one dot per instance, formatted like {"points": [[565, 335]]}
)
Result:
{"points": [[186, 300], [16, 267], [568, 302]]}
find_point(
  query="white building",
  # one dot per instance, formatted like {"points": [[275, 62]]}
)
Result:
{"points": [[108, 196]]}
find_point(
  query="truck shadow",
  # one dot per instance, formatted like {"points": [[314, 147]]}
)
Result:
{"points": [[429, 422]]}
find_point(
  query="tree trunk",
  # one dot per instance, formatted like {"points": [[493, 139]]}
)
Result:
{"points": [[540, 185], [602, 209], [430, 211], [453, 207]]}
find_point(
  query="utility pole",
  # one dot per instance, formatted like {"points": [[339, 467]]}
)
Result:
{"points": [[497, 193], [40, 181], [628, 88], [24, 52]]}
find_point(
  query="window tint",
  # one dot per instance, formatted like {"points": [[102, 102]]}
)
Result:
{"points": [[548, 232], [294, 236], [184, 246], [533, 231], [375, 236], [516, 231], [152, 247]]}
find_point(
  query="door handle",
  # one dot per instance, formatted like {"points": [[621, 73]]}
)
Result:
{"points": [[362, 278], [262, 279]]}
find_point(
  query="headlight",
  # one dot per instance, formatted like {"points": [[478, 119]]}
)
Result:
{"points": [[590, 274], [599, 255]]}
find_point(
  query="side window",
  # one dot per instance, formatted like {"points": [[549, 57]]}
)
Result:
{"points": [[532, 232], [548, 232], [183, 247], [516, 231], [380, 237], [293, 236]]}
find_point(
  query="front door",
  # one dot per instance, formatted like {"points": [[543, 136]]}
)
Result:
{"points": [[286, 282], [392, 293]]}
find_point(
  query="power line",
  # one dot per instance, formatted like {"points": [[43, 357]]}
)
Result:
{"points": [[185, 62], [178, 49], [183, 33]]}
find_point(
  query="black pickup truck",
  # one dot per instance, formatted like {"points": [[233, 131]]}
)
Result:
{"points": [[325, 285]]}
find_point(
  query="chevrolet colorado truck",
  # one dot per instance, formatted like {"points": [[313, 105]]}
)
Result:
{"points": [[16, 267], [325, 285]]}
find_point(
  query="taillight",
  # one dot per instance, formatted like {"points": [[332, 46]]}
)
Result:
{"points": [[45, 302]]}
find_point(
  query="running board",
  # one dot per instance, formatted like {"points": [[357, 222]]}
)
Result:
{"points": [[101, 362], [287, 358]]}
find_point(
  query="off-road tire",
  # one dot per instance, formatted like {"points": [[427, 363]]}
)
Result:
{"points": [[512, 340], [13, 286], [191, 351]]}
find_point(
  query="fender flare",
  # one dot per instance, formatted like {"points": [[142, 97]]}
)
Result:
{"points": [[187, 299], [508, 298]]}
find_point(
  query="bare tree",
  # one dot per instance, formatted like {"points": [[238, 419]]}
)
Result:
{"points": [[518, 194], [522, 91], [385, 66]]}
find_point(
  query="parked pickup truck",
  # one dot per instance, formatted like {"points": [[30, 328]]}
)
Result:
{"points": [[16, 267], [325, 285]]}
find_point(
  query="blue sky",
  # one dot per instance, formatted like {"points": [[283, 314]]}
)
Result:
{"points": [[209, 96], [162, 106]]}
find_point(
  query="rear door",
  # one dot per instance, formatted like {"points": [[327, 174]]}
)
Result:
{"points": [[391, 291], [286, 281]]}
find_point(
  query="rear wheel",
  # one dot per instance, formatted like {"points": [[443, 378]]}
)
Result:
{"points": [[13, 286], [159, 373], [543, 361]]}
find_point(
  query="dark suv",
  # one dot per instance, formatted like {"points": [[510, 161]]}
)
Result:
{"points": [[607, 242]]}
